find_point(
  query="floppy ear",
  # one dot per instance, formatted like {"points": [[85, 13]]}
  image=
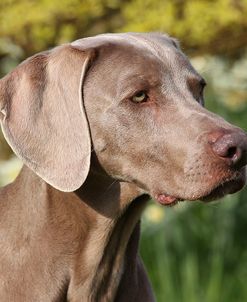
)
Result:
{"points": [[43, 118]]}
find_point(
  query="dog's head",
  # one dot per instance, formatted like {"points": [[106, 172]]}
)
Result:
{"points": [[139, 101]]}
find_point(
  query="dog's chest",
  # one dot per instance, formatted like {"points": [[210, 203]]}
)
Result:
{"points": [[32, 275]]}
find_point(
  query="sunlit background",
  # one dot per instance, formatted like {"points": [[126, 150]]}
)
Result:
{"points": [[192, 252]]}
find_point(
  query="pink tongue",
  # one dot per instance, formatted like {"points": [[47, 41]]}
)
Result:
{"points": [[166, 199]]}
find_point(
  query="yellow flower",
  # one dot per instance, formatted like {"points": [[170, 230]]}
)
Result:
{"points": [[154, 213]]}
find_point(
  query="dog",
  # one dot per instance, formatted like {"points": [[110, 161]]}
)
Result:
{"points": [[101, 124]]}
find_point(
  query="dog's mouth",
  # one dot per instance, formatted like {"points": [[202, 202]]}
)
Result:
{"points": [[167, 200], [227, 186]]}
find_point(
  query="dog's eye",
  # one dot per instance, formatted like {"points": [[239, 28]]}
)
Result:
{"points": [[140, 97]]}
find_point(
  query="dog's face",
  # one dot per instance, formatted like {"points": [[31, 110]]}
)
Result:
{"points": [[148, 124], [142, 103]]}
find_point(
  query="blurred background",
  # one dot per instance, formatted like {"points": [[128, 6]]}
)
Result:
{"points": [[193, 252]]}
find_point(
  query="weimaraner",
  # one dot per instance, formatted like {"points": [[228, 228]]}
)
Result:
{"points": [[101, 124]]}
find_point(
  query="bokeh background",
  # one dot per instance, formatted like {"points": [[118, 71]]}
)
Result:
{"points": [[193, 252]]}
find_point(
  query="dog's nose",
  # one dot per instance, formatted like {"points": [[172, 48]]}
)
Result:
{"points": [[230, 146]]}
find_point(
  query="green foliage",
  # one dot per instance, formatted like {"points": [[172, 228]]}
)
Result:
{"points": [[37, 25], [198, 253], [226, 92], [203, 26]]}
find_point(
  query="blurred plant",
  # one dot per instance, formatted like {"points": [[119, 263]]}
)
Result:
{"points": [[226, 93], [205, 26], [198, 253], [38, 25], [9, 170]]}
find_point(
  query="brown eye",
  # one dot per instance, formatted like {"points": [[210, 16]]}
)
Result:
{"points": [[140, 97]]}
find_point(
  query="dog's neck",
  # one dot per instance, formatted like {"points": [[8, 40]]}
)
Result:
{"points": [[110, 232], [117, 219]]}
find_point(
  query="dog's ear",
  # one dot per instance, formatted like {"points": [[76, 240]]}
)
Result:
{"points": [[43, 118]]}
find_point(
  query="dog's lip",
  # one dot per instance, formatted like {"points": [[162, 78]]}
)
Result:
{"points": [[229, 186], [166, 199]]}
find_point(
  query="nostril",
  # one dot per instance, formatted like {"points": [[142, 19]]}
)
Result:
{"points": [[232, 153], [230, 147], [227, 152]]}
